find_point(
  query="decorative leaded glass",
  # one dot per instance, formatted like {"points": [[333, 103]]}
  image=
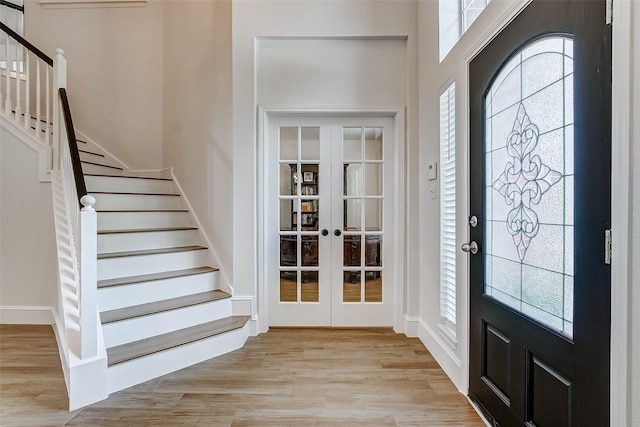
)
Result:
{"points": [[529, 183]]}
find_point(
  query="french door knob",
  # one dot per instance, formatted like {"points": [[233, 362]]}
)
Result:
{"points": [[325, 232], [337, 232], [470, 247]]}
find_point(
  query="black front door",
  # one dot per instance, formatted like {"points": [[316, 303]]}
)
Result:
{"points": [[540, 168]]}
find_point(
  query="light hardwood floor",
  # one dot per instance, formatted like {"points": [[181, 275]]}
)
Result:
{"points": [[286, 377]]}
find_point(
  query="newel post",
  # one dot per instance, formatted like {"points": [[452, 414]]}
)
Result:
{"points": [[88, 257], [59, 81]]}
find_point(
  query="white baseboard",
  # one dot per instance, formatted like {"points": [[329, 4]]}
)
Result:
{"points": [[26, 315], [442, 352], [412, 326]]}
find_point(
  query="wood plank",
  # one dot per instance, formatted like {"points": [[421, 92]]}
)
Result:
{"points": [[140, 210], [160, 306], [150, 252], [154, 276], [145, 230], [128, 176], [98, 164], [147, 346], [285, 377], [126, 193]]}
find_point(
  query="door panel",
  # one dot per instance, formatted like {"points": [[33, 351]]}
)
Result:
{"points": [[331, 179], [540, 186]]}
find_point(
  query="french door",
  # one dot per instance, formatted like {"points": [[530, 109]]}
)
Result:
{"points": [[540, 150], [330, 222]]}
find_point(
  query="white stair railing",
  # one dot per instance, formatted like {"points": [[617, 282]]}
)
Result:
{"points": [[32, 83], [26, 75]]}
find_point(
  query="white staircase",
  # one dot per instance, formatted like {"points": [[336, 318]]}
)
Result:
{"points": [[160, 304]]}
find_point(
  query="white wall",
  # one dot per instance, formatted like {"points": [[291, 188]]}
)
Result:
{"points": [[435, 77], [635, 207], [28, 264], [313, 82], [197, 108], [114, 73]]}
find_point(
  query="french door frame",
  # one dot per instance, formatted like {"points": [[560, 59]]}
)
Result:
{"points": [[622, 50], [397, 270]]}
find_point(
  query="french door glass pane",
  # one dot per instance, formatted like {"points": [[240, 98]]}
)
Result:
{"points": [[310, 143], [529, 183], [363, 196], [373, 144], [289, 143], [299, 201]]}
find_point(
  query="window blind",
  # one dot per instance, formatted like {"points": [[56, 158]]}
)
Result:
{"points": [[448, 210]]}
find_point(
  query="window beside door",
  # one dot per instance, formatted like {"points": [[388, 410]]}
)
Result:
{"points": [[448, 212]]}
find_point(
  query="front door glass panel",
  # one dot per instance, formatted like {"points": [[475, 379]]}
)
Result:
{"points": [[529, 182]]}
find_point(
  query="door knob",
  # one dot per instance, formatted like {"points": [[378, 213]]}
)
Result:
{"points": [[470, 247], [325, 232], [337, 232]]}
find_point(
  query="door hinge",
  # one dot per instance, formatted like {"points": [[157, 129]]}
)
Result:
{"points": [[608, 18], [607, 246]]}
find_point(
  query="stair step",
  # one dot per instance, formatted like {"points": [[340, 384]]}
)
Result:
{"points": [[101, 165], [140, 210], [132, 193], [160, 306], [149, 252], [126, 290], [127, 176], [146, 230], [147, 346], [154, 276], [89, 152]]}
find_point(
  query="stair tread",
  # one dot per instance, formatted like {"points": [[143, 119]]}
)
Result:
{"points": [[147, 346], [131, 193], [145, 230], [140, 210], [127, 176], [161, 306], [89, 152], [150, 251], [99, 164], [155, 276]]}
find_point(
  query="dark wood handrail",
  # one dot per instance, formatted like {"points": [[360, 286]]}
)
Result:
{"points": [[12, 5], [73, 147], [40, 54]]}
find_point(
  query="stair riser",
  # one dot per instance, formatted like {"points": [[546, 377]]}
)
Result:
{"points": [[126, 331], [138, 220], [136, 201], [118, 242], [115, 297], [136, 371], [87, 168], [139, 185], [111, 268]]}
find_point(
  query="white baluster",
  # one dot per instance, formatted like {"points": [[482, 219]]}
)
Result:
{"points": [[1, 97], [38, 100], [47, 128], [18, 82], [7, 103], [59, 81], [27, 92]]}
